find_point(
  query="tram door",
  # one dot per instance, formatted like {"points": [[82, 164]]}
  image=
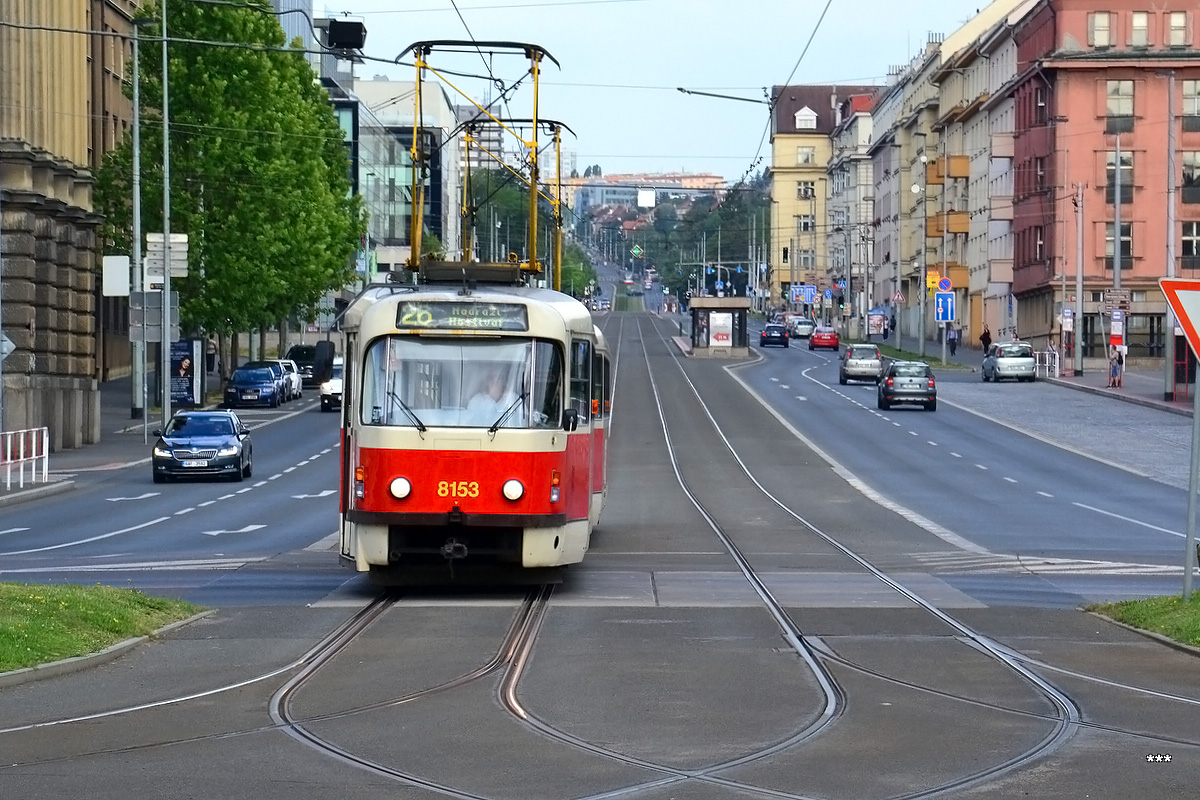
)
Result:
{"points": [[578, 480]]}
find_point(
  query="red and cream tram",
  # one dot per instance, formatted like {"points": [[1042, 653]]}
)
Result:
{"points": [[473, 431]]}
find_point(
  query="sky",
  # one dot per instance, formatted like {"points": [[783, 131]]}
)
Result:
{"points": [[622, 62]]}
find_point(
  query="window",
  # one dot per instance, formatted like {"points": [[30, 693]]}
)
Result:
{"points": [[806, 155], [581, 379], [1110, 190], [1191, 177], [1190, 245], [1039, 105], [806, 258], [805, 224], [806, 190], [1100, 29], [1177, 29], [1039, 173], [1039, 243], [1126, 245], [1119, 106], [1191, 105], [1139, 29], [806, 119]]}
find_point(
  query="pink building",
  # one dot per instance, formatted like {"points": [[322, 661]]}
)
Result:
{"points": [[1089, 81]]}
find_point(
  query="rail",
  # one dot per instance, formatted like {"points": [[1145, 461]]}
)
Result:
{"points": [[29, 448], [1046, 363]]}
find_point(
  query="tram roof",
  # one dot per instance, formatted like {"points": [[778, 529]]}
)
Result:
{"points": [[574, 314]]}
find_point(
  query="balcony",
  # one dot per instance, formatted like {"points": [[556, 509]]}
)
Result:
{"points": [[949, 222], [953, 167], [1000, 208], [1002, 145]]}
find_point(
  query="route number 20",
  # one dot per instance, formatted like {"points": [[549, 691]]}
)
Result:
{"points": [[458, 489]]}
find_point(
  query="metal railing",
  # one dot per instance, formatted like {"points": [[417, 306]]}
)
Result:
{"points": [[29, 448], [1046, 363]]}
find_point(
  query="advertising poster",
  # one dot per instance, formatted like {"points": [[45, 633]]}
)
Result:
{"points": [[185, 372], [722, 329]]}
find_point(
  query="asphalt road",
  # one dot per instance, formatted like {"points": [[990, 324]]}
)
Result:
{"points": [[769, 609]]}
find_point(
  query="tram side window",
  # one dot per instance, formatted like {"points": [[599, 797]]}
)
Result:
{"points": [[547, 385], [581, 381], [601, 386]]}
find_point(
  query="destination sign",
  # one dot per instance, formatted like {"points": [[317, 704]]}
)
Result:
{"points": [[462, 316]]}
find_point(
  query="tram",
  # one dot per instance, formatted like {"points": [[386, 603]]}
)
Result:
{"points": [[473, 432]]}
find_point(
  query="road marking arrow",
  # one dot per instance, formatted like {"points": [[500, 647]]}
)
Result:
{"points": [[324, 493], [246, 529], [139, 497]]}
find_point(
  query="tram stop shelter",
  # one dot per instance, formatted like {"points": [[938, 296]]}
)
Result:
{"points": [[719, 326]]}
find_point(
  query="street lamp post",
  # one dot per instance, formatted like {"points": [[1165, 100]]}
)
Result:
{"points": [[922, 189], [165, 344]]}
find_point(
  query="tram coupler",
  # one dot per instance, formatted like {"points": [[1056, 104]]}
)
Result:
{"points": [[453, 550]]}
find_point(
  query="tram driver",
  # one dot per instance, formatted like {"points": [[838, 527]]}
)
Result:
{"points": [[494, 398]]}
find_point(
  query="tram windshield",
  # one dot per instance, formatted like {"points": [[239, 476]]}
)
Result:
{"points": [[485, 383]]}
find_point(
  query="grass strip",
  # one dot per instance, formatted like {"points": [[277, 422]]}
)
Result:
{"points": [[1169, 616]]}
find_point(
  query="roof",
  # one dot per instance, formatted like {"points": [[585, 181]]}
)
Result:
{"points": [[822, 99]]}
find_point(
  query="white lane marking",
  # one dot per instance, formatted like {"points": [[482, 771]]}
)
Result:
{"points": [[243, 491], [775, 379], [87, 540], [313, 458], [247, 529], [1011, 480], [897, 424], [290, 469], [1124, 519], [980, 466], [327, 450], [206, 503], [913, 433], [801, 397], [276, 476], [183, 511], [12, 530], [302, 463], [784, 386], [260, 483], [1045, 494], [142, 496], [322, 493], [147, 566], [956, 455], [225, 496], [931, 444]]}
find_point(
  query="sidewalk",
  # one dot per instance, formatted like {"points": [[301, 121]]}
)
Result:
{"points": [[1142, 385]]}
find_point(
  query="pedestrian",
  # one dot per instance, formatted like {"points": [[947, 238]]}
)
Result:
{"points": [[887, 329], [210, 353], [985, 339], [952, 338], [1114, 370]]}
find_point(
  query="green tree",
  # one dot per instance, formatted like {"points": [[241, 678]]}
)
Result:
{"points": [[259, 178]]}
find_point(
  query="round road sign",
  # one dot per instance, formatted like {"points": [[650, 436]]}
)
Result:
{"points": [[944, 285]]}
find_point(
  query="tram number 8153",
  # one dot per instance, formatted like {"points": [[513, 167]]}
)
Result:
{"points": [[458, 489]]}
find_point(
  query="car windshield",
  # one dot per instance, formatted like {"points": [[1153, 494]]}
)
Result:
{"points": [[302, 353], [1014, 351], [409, 380], [336, 374], [774, 328], [253, 376], [910, 370], [199, 426], [863, 352]]}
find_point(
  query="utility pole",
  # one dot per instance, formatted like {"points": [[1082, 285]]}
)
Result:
{"points": [[165, 345], [1078, 321], [1117, 217]]}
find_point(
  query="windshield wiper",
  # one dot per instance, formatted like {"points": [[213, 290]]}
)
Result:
{"points": [[395, 398], [508, 411]]}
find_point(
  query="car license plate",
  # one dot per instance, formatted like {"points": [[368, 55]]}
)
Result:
{"points": [[249, 395], [195, 463]]}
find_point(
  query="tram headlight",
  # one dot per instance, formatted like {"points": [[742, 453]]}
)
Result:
{"points": [[400, 488], [513, 490]]}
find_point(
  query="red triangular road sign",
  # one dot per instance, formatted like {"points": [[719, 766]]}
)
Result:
{"points": [[1183, 295]]}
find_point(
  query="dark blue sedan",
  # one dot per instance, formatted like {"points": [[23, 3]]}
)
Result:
{"points": [[254, 386], [208, 443]]}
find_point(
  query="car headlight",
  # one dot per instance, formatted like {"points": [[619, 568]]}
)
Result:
{"points": [[229, 450], [162, 452]]}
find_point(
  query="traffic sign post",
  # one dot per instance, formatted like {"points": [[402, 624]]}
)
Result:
{"points": [[1183, 296], [944, 306]]}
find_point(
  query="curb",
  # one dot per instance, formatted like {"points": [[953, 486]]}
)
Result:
{"points": [[10, 497], [67, 666], [1137, 401], [1158, 637]]}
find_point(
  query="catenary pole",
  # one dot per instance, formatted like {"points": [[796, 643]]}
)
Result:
{"points": [[1078, 322], [165, 345], [138, 367], [1169, 320]]}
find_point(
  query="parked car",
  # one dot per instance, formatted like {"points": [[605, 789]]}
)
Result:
{"points": [[1009, 360], [861, 362], [907, 382], [213, 443], [293, 381], [252, 386], [803, 327], [276, 368], [331, 390], [773, 334], [823, 336]]}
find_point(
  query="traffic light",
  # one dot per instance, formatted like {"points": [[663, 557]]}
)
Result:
{"points": [[785, 255], [841, 301]]}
